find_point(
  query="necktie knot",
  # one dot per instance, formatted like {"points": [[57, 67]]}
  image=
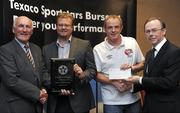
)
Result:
{"points": [[26, 46], [29, 55]]}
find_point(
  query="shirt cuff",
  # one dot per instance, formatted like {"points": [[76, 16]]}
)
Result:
{"points": [[140, 80], [132, 88]]}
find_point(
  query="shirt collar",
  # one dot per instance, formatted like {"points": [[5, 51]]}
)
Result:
{"points": [[158, 46], [67, 41], [20, 43], [110, 47]]}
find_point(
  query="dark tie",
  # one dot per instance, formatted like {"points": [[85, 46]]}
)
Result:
{"points": [[151, 59], [29, 55]]}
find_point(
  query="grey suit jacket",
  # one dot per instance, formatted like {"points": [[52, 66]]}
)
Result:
{"points": [[81, 50], [20, 83], [161, 82]]}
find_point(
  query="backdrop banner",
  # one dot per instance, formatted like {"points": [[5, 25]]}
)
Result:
{"points": [[89, 16]]}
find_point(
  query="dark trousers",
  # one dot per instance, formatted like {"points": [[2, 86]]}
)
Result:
{"points": [[63, 105]]}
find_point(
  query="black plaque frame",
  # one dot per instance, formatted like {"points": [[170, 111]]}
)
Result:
{"points": [[62, 74]]}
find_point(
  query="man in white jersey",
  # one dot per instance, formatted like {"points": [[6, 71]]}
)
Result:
{"points": [[117, 52]]}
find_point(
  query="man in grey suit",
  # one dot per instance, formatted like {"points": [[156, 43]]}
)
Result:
{"points": [[161, 80], [68, 46], [21, 90]]}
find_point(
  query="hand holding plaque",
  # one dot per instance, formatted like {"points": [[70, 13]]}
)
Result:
{"points": [[62, 74]]}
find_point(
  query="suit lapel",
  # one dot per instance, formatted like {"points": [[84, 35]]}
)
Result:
{"points": [[73, 47], [54, 51], [146, 70], [20, 52], [34, 55], [158, 57], [161, 52], [36, 61]]}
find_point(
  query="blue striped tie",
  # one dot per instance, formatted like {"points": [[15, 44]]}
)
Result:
{"points": [[29, 55]]}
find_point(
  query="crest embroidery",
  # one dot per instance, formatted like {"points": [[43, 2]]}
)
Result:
{"points": [[128, 52]]}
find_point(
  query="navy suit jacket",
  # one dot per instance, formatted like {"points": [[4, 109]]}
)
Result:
{"points": [[20, 83], [81, 50], [161, 82]]}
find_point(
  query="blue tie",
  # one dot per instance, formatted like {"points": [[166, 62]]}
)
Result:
{"points": [[29, 55]]}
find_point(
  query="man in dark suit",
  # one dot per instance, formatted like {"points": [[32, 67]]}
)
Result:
{"points": [[68, 46], [20, 90], [161, 80]]}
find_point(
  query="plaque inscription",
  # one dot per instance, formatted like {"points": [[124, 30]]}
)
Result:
{"points": [[62, 74]]}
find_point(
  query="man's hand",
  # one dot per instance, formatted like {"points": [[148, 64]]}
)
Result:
{"points": [[66, 92], [125, 66], [78, 71], [43, 96], [133, 79], [122, 85]]}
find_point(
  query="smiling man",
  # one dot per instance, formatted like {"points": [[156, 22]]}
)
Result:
{"points": [[21, 89], [117, 52], [68, 46], [161, 80]]}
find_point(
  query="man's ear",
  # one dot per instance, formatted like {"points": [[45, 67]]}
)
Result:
{"points": [[13, 29], [121, 28]]}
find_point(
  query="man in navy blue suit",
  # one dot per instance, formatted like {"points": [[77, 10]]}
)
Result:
{"points": [[161, 80]]}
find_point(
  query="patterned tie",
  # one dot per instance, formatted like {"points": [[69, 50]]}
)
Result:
{"points": [[29, 55]]}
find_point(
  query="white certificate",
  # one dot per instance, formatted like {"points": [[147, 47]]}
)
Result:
{"points": [[117, 73]]}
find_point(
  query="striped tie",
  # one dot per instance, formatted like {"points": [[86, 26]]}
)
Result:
{"points": [[29, 55]]}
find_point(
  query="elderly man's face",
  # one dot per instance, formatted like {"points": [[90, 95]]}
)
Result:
{"points": [[23, 29]]}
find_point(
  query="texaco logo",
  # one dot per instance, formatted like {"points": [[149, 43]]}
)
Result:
{"points": [[63, 69]]}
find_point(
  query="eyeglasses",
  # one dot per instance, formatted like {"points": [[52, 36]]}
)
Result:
{"points": [[152, 30], [64, 25], [113, 27]]}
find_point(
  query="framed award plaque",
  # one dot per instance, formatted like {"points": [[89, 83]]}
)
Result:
{"points": [[62, 74]]}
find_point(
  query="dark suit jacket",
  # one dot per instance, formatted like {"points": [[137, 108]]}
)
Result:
{"points": [[81, 50], [19, 91], [161, 83]]}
